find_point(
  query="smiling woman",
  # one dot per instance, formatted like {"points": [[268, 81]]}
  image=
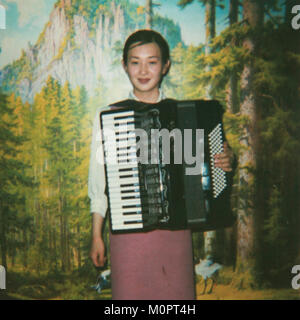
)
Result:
{"points": [[147, 265]]}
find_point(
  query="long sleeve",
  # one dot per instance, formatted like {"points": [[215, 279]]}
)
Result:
{"points": [[96, 179]]}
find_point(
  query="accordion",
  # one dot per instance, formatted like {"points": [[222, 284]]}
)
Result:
{"points": [[159, 166]]}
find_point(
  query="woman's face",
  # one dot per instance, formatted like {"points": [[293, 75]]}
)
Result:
{"points": [[145, 70]]}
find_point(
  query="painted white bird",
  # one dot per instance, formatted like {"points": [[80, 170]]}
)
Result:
{"points": [[208, 269], [103, 281]]}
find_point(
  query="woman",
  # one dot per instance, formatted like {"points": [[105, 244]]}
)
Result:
{"points": [[148, 265]]}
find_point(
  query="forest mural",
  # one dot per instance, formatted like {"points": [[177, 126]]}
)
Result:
{"points": [[248, 57]]}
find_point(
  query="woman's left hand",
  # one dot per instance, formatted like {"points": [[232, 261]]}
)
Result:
{"points": [[224, 160]]}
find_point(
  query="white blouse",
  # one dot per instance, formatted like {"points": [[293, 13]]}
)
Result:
{"points": [[96, 178]]}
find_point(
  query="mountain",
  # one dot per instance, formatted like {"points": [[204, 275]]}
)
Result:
{"points": [[82, 44]]}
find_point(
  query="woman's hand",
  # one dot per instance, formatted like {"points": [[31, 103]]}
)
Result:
{"points": [[97, 252], [224, 160]]}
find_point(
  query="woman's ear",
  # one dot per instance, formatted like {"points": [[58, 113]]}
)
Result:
{"points": [[166, 67], [124, 66]]}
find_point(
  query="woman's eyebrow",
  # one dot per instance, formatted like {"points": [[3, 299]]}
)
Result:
{"points": [[151, 57]]}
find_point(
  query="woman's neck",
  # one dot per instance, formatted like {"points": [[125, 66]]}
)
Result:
{"points": [[146, 97]]}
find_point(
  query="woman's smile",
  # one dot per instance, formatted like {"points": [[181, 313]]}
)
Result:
{"points": [[144, 81]]}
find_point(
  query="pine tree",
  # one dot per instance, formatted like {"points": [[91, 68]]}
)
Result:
{"points": [[183, 80], [149, 13], [247, 208], [12, 176], [232, 93], [81, 144]]}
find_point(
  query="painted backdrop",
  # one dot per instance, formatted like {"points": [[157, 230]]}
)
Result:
{"points": [[61, 59]]}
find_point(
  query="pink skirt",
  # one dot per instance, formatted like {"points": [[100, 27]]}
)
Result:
{"points": [[152, 265]]}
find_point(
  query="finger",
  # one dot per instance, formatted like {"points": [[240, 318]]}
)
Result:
{"points": [[223, 163], [221, 156], [227, 169], [224, 167], [96, 259], [102, 260], [221, 159], [225, 153]]}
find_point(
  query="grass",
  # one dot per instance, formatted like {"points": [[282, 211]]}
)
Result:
{"points": [[229, 288], [227, 292], [22, 285], [77, 286]]}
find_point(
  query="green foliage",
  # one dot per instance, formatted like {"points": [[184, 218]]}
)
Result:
{"points": [[52, 225], [277, 240], [184, 3], [168, 29], [16, 72], [14, 179], [182, 81]]}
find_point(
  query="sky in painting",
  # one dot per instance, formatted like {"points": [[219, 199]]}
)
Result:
{"points": [[25, 20]]}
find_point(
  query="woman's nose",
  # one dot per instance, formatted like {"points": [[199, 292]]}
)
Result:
{"points": [[144, 68]]}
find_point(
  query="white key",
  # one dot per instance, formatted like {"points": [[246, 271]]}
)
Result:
{"points": [[128, 181], [128, 188], [131, 217], [125, 143], [115, 167], [121, 196], [127, 226], [135, 210], [117, 122], [124, 204], [119, 175], [128, 158], [120, 128], [118, 204], [118, 114]]}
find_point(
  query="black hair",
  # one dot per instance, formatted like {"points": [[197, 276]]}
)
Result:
{"points": [[141, 37]]}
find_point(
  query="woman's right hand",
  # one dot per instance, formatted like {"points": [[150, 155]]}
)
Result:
{"points": [[97, 252]]}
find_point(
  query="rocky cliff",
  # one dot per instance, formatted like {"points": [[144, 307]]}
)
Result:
{"points": [[77, 46]]}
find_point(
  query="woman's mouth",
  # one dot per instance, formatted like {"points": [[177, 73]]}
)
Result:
{"points": [[143, 81]]}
